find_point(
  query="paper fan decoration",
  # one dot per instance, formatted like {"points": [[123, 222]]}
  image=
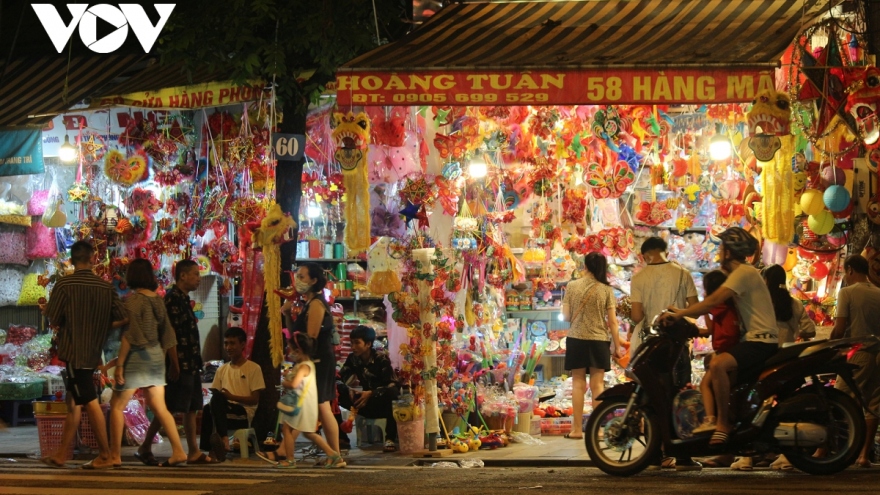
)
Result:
{"points": [[126, 171]]}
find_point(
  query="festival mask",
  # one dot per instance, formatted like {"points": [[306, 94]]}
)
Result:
{"points": [[863, 86]]}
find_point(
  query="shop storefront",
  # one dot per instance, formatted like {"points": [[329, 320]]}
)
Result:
{"points": [[501, 143]]}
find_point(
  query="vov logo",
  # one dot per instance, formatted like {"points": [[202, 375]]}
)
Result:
{"points": [[86, 17]]}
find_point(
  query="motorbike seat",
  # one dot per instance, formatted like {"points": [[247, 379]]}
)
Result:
{"points": [[787, 354]]}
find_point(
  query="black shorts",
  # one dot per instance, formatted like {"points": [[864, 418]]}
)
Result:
{"points": [[184, 395], [80, 385], [750, 358], [587, 354]]}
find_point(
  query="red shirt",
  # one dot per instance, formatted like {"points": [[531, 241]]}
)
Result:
{"points": [[725, 327]]}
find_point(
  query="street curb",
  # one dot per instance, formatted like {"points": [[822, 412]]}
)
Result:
{"points": [[515, 463]]}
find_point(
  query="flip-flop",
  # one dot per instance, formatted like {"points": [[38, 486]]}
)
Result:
{"points": [[90, 465], [568, 436], [265, 456], [719, 438], [203, 459], [51, 463], [146, 459], [176, 464], [218, 450]]}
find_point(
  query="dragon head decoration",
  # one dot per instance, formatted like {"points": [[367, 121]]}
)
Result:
{"points": [[863, 88], [273, 231], [351, 133], [352, 137], [769, 118]]}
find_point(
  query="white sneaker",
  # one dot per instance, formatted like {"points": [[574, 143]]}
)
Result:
{"points": [[742, 464], [781, 464]]}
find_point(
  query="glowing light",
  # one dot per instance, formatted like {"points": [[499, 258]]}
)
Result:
{"points": [[67, 152], [478, 169], [719, 147]]}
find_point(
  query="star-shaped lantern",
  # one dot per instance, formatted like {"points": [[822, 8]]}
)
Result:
{"points": [[410, 212], [92, 149], [824, 73], [78, 192]]}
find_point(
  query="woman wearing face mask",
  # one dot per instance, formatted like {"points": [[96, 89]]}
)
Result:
{"points": [[316, 321]]}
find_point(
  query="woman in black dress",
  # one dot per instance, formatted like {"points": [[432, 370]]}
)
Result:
{"points": [[316, 321]]}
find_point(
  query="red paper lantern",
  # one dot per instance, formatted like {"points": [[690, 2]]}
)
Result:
{"points": [[818, 270]]}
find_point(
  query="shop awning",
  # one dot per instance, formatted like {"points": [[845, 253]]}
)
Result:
{"points": [[590, 51], [32, 90]]}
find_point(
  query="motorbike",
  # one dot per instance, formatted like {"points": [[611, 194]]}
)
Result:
{"points": [[789, 408]]}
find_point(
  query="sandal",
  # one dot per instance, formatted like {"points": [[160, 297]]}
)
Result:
{"points": [[265, 456], [286, 464], [147, 459], [390, 446], [568, 436], [668, 463], [335, 462], [719, 438]]}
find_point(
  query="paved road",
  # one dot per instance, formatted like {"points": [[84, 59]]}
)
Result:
{"points": [[29, 477]]}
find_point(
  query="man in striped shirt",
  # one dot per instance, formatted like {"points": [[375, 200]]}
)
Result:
{"points": [[84, 308]]}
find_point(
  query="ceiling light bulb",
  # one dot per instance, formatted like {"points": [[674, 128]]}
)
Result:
{"points": [[719, 147], [67, 152], [313, 211], [478, 170]]}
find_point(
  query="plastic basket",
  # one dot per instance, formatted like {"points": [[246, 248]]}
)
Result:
{"points": [[555, 426], [49, 428], [22, 391], [86, 433]]}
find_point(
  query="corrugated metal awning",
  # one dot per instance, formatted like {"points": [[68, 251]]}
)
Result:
{"points": [[597, 33], [32, 91], [467, 46]]}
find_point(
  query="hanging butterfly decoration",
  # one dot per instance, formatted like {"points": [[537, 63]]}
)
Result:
{"points": [[605, 183]]}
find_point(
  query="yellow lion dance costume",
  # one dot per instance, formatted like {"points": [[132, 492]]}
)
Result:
{"points": [[273, 231], [352, 136]]}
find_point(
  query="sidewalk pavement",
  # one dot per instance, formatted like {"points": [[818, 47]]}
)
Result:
{"points": [[556, 451]]}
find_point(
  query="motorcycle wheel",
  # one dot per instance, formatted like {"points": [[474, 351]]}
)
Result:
{"points": [[621, 446], [846, 436]]}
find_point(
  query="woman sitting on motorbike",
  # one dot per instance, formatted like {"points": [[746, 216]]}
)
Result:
{"points": [[747, 288]]}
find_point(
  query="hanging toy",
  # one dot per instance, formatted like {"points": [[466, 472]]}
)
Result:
{"points": [[383, 268], [272, 232], [352, 137], [769, 118]]}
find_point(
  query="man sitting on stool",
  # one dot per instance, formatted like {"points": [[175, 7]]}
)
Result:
{"points": [[376, 377], [235, 395]]}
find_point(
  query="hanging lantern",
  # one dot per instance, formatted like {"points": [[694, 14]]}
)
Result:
{"points": [[836, 198], [812, 202], [821, 223], [818, 270]]}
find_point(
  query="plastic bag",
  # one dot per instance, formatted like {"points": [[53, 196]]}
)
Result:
{"points": [[10, 285], [520, 437], [53, 215], [40, 242], [38, 203], [357, 274], [13, 244], [31, 290]]}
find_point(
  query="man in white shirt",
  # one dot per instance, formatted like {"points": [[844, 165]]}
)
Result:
{"points": [[654, 288], [235, 395], [858, 315], [657, 286]]}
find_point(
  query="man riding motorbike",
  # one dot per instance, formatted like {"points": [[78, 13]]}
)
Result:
{"points": [[749, 292]]}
